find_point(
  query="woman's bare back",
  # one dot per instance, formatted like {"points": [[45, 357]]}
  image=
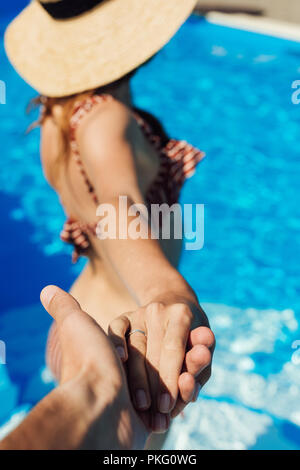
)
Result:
{"points": [[99, 289]]}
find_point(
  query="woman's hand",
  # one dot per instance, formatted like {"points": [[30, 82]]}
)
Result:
{"points": [[168, 363]]}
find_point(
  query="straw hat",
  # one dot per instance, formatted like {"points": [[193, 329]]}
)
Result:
{"points": [[62, 47]]}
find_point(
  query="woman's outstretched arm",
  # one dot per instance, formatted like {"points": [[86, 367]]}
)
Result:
{"points": [[169, 308], [106, 141]]}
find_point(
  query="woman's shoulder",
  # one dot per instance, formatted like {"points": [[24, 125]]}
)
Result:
{"points": [[105, 135], [102, 119], [99, 110]]}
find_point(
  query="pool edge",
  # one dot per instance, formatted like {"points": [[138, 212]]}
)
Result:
{"points": [[266, 26]]}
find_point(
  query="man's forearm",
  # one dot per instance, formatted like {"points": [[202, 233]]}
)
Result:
{"points": [[60, 421]]}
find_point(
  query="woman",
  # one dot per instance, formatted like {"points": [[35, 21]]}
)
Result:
{"points": [[96, 147]]}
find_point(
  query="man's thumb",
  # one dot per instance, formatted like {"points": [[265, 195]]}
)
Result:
{"points": [[58, 303]]}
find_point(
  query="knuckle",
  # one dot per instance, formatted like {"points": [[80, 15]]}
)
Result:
{"points": [[115, 335], [154, 309], [113, 325], [113, 332], [183, 314], [118, 325]]}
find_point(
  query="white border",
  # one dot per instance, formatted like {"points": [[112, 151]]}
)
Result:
{"points": [[262, 25]]}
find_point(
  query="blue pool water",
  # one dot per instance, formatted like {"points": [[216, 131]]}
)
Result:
{"points": [[229, 93]]}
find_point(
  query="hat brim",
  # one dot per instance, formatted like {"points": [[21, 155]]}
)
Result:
{"points": [[63, 57]]}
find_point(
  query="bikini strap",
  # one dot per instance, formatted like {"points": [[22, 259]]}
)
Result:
{"points": [[81, 109], [153, 138]]}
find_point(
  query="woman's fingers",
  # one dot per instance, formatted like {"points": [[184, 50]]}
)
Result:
{"points": [[198, 367], [155, 335], [172, 356], [202, 335], [117, 333], [137, 375], [197, 359], [198, 371], [187, 386]]}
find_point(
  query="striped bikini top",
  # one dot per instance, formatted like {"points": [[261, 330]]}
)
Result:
{"points": [[178, 161]]}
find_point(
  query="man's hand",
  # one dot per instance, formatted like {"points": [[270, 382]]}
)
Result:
{"points": [[86, 352], [81, 340], [91, 408], [168, 364]]}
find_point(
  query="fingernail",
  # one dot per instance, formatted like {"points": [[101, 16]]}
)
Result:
{"points": [[160, 422], [121, 352], [165, 402], [197, 391], [141, 399], [47, 295]]}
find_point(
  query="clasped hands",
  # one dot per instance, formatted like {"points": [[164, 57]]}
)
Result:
{"points": [[165, 365], [166, 348]]}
